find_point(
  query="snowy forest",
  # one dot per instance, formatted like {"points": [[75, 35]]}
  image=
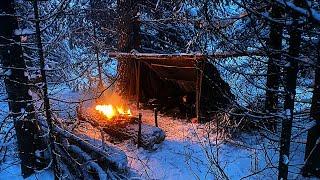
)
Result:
{"points": [[159, 89]]}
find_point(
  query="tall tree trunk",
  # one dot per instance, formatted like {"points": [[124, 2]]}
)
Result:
{"points": [[275, 45], [312, 158], [17, 87], [129, 39], [315, 107], [129, 25], [45, 91], [95, 4], [96, 48], [291, 75]]}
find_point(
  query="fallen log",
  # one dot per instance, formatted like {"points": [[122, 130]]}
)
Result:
{"points": [[81, 164], [65, 158], [108, 157], [86, 160], [125, 129], [150, 135]]}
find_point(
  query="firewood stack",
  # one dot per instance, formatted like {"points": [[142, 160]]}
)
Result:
{"points": [[88, 161]]}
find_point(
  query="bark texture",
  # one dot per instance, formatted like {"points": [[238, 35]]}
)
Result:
{"points": [[291, 74], [273, 77], [128, 40], [17, 87], [312, 158]]}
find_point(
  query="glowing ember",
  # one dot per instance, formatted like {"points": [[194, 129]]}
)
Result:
{"points": [[109, 111]]}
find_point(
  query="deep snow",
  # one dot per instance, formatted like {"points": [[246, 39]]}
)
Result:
{"points": [[188, 152]]}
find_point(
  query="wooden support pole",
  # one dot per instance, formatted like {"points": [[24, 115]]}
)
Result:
{"points": [[197, 94], [103, 145], [139, 130], [199, 74], [156, 117], [138, 85], [202, 63]]}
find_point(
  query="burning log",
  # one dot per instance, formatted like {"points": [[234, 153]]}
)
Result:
{"points": [[123, 127]]}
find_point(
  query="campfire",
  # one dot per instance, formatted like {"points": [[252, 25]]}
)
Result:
{"points": [[111, 115], [112, 109], [112, 112]]}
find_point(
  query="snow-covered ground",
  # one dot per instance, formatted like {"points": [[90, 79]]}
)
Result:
{"points": [[193, 151], [10, 168], [190, 151], [12, 171]]}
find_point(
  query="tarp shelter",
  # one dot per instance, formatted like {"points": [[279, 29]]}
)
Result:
{"points": [[151, 75]]}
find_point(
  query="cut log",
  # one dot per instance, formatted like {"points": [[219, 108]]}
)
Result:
{"points": [[108, 158], [64, 157], [150, 135], [86, 160], [125, 129]]}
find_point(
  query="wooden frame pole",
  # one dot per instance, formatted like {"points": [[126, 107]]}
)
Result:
{"points": [[197, 94], [199, 74], [156, 117], [138, 85], [139, 130], [202, 64]]}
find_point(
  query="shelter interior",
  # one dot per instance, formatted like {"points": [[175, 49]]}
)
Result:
{"points": [[187, 82]]}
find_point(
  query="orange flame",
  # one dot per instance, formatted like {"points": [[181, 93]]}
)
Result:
{"points": [[109, 111], [112, 105]]}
